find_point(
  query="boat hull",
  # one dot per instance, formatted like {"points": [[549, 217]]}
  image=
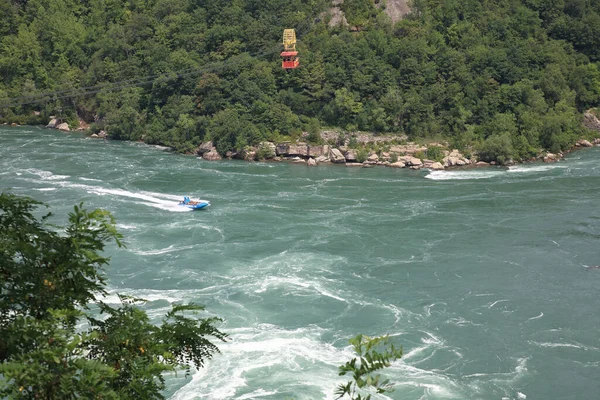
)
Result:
{"points": [[197, 206]]}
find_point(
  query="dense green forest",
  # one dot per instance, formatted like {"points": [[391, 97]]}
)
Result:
{"points": [[506, 77]]}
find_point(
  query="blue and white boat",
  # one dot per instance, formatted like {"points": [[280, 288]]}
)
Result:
{"points": [[194, 204]]}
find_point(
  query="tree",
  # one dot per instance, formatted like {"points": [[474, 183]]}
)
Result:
{"points": [[48, 281], [374, 354]]}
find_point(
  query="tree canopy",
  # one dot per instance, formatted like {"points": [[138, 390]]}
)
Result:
{"points": [[58, 340], [468, 71]]}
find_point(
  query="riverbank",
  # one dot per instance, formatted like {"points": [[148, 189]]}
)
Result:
{"points": [[361, 149]]}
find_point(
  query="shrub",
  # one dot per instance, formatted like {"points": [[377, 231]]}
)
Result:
{"points": [[435, 153], [497, 148], [362, 155]]}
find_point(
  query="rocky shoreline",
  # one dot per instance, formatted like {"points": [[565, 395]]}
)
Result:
{"points": [[359, 150], [409, 155]]}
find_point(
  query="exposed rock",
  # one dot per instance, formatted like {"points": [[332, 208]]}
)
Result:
{"points": [[396, 9], [205, 148], [102, 135], [450, 161], [83, 126], [373, 157], [311, 162], [590, 121], [350, 155], [584, 143], [322, 159], [247, 154], [436, 166], [288, 149], [52, 123], [337, 15], [317, 150], [397, 164], [550, 157], [36, 113], [355, 164], [409, 148], [299, 160], [267, 149], [482, 164], [94, 135], [212, 155], [412, 161], [300, 149], [336, 156], [63, 127]]}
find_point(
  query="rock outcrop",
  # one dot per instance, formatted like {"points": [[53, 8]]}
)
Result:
{"points": [[212, 155], [204, 148], [336, 156], [591, 121], [583, 143], [53, 122], [63, 127]]}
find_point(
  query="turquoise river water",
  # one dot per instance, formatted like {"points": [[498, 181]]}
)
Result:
{"points": [[480, 274]]}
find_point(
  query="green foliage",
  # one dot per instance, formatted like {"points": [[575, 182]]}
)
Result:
{"points": [[374, 354], [435, 153], [362, 155], [49, 280], [497, 148], [460, 71]]}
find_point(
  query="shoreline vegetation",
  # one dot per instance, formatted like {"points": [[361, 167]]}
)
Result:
{"points": [[453, 82], [361, 149]]}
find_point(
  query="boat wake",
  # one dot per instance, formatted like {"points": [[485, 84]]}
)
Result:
{"points": [[167, 202]]}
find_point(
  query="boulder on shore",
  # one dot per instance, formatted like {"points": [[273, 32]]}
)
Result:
{"points": [[350, 155], [204, 148], [583, 143], [212, 155], [336, 156], [63, 127], [397, 164], [52, 123]]}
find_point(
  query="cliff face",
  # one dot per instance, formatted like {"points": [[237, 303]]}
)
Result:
{"points": [[396, 9]]}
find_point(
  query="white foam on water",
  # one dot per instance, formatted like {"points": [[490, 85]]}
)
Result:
{"points": [[169, 249], [89, 179], [464, 175], [127, 226], [492, 304], [538, 317], [172, 296], [257, 394], [273, 355], [46, 175], [298, 283], [45, 189], [524, 168], [575, 345]]}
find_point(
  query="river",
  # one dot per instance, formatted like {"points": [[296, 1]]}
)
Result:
{"points": [[480, 274]]}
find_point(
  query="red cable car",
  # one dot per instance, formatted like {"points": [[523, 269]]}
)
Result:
{"points": [[289, 54]]}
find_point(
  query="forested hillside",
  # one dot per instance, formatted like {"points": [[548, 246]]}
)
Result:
{"points": [[504, 76]]}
